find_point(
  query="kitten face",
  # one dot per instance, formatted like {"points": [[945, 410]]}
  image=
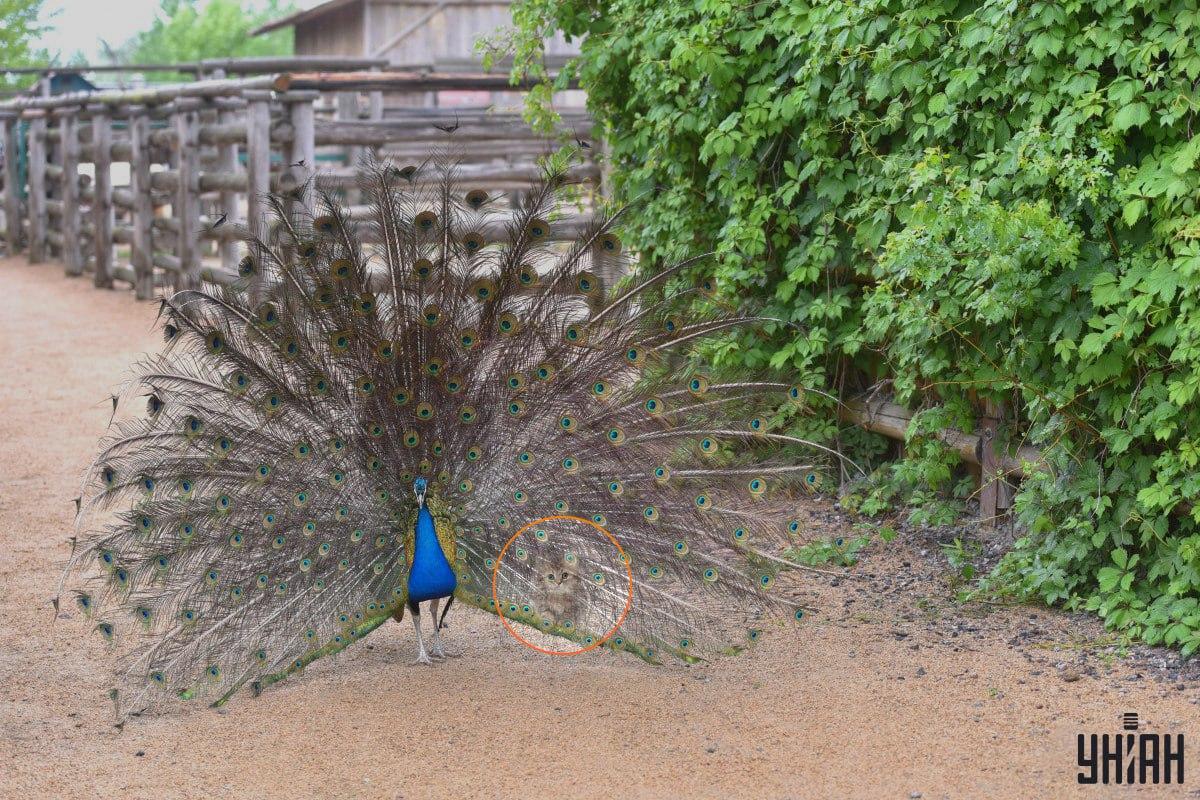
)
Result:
{"points": [[559, 575]]}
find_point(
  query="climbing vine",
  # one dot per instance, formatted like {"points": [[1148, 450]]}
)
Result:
{"points": [[972, 200]]}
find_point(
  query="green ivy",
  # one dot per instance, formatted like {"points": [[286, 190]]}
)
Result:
{"points": [[979, 201]]}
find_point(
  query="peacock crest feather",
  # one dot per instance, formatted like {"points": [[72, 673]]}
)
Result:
{"points": [[260, 513]]}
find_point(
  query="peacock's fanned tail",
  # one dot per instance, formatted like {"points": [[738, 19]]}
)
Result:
{"points": [[258, 514]]}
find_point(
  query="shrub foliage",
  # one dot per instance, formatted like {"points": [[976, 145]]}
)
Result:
{"points": [[991, 200]]}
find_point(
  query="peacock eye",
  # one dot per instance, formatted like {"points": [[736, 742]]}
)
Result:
{"points": [[550, 576], [564, 576]]}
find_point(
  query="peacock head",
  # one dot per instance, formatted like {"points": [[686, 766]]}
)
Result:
{"points": [[420, 486]]}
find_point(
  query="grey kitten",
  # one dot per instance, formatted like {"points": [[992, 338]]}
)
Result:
{"points": [[559, 589]]}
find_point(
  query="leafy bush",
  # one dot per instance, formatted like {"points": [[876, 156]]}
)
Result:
{"points": [[978, 201]]}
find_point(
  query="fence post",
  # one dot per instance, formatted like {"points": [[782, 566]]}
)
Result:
{"points": [[142, 247], [12, 192], [304, 136], [186, 208], [37, 185], [994, 491], [68, 128], [102, 209], [227, 161], [258, 158]]}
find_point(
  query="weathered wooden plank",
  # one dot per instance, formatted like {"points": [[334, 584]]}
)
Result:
{"points": [[891, 420], [258, 157], [478, 128], [267, 64], [303, 153], [404, 81], [154, 95], [141, 246], [12, 191], [72, 253], [227, 162], [102, 210], [36, 149], [186, 207]]}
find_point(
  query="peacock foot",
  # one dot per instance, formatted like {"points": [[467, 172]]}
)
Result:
{"points": [[423, 658], [440, 652]]}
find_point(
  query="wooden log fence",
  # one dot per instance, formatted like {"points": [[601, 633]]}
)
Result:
{"points": [[212, 149]]}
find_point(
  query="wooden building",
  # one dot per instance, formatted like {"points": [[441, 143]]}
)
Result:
{"points": [[413, 34]]}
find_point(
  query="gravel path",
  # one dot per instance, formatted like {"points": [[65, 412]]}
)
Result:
{"points": [[888, 692]]}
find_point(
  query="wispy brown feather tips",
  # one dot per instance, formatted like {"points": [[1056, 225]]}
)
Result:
{"points": [[255, 516]]}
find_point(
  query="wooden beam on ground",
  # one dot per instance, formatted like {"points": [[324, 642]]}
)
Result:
{"points": [[891, 420]]}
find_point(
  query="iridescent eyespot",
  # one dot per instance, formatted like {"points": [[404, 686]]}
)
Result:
{"points": [[587, 283], [473, 241]]}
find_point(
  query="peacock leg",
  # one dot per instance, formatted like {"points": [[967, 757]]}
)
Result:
{"points": [[435, 647], [438, 650], [422, 656]]}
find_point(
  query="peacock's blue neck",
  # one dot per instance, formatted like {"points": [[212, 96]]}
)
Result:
{"points": [[431, 575]]}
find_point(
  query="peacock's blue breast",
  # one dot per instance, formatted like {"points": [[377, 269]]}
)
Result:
{"points": [[431, 575]]}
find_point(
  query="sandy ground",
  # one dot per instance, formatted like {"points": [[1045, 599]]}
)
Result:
{"points": [[889, 692]]}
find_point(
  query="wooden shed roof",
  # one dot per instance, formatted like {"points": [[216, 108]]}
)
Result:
{"points": [[319, 10], [296, 17]]}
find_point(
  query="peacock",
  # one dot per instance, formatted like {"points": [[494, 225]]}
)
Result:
{"points": [[445, 400]]}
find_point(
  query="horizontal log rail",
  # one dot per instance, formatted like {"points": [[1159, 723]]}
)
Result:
{"points": [[169, 175]]}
